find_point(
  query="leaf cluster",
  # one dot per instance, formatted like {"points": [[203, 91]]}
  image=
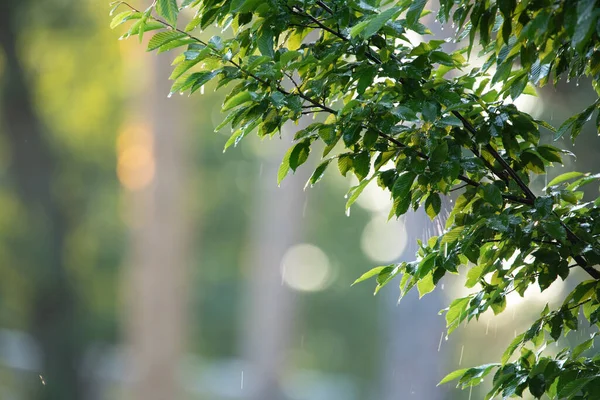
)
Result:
{"points": [[418, 122]]}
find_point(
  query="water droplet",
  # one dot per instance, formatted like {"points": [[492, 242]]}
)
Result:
{"points": [[202, 89], [487, 327], [348, 212], [462, 349], [242, 381], [170, 95], [42, 380], [440, 344]]}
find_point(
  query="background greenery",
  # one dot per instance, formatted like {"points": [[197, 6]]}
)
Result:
{"points": [[76, 78]]}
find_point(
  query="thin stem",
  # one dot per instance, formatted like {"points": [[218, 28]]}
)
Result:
{"points": [[458, 188]]}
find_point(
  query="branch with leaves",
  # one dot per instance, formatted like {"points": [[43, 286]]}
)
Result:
{"points": [[391, 113]]}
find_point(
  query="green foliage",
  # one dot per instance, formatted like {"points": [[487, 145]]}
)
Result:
{"points": [[393, 115]]}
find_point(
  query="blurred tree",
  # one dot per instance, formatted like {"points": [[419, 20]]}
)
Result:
{"points": [[269, 319], [33, 170], [155, 173]]}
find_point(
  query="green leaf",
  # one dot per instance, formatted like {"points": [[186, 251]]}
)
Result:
{"points": [[265, 42], [573, 387], [582, 347], [414, 11], [537, 385], [361, 164], [425, 285], [319, 172], [517, 86], [168, 10], [284, 168], [344, 164], [386, 275], [565, 177], [358, 28], [492, 194], [240, 98], [555, 229], [356, 191], [162, 38], [120, 18], [183, 67], [586, 14], [299, 154], [401, 188], [453, 235], [473, 275], [369, 274], [456, 312], [453, 376], [433, 204], [378, 21], [568, 124], [512, 347]]}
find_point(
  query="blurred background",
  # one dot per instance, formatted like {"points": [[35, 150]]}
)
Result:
{"points": [[137, 261]]}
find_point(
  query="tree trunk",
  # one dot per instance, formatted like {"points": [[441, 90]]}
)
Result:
{"points": [[270, 313], [156, 288], [33, 171]]}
